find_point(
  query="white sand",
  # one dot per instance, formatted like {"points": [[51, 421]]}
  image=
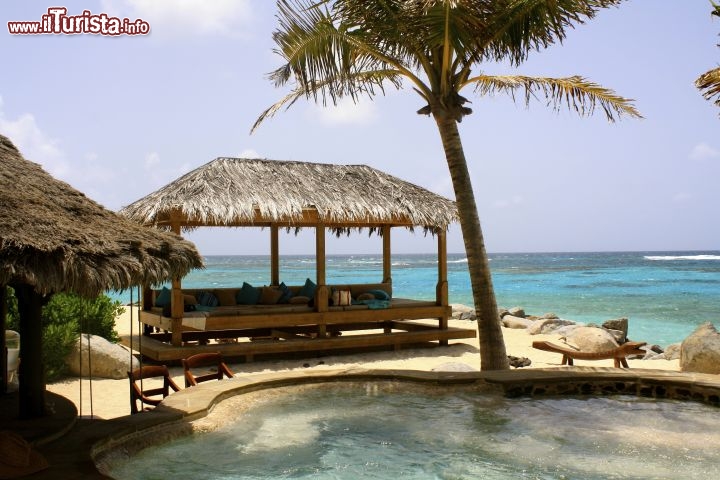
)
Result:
{"points": [[110, 398]]}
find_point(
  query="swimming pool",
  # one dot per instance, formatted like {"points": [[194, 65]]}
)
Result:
{"points": [[389, 429]]}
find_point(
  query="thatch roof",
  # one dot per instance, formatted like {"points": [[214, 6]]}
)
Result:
{"points": [[54, 238], [251, 192]]}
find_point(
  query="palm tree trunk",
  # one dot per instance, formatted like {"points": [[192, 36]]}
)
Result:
{"points": [[492, 346]]}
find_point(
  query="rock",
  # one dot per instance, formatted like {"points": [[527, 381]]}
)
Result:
{"points": [[107, 359], [510, 321], [620, 324], [462, 312], [519, 362], [592, 339], [502, 312], [672, 352], [548, 325], [454, 367], [619, 336], [700, 352], [657, 349], [517, 312], [549, 316], [567, 329]]}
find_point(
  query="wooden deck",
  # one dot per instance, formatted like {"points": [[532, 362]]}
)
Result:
{"points": [[288, 341]]}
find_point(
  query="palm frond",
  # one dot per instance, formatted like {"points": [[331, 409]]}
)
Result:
{"points": [[575, 92], [318, 89], [709, 84], [518, 27]]}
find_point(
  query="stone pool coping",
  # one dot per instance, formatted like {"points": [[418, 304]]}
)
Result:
{"points": [[173, 416]]}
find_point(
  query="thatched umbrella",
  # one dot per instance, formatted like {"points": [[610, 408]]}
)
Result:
{"points": [[242, 192], [54, 239], [238, 192]]}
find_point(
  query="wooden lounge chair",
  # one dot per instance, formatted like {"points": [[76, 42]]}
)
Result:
{"points": [[617, 354], [145, 396], [205, 360]]}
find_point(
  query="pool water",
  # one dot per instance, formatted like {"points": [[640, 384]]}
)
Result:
{"points": [[391, 430]]}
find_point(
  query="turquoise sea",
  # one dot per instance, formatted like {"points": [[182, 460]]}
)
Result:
{"points": [[665, 295]]}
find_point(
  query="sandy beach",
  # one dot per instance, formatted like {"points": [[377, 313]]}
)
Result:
{"points": [[110, 398]]}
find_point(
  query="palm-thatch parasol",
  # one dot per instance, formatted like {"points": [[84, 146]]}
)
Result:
{"points": [[54, 239], [251, 192]]}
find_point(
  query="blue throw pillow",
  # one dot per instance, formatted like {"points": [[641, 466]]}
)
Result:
{"points": [[248, 295], [308, 290], [208, 299], [286, 294], [164, 298], [379, 294]]}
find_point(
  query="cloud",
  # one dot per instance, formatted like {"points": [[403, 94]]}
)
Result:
{"points": [[347, 113], [507, 203], [34, 144], [229, 18], [249, 153], [703, 151]]}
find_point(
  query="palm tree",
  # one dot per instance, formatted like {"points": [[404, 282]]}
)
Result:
{"points": [[354, 48], [709, 82]]}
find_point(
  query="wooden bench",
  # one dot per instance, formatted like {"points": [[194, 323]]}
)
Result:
{"points": [[617, 354]]}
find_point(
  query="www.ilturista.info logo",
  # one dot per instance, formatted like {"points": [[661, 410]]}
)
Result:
{"points": [[58, 22]]}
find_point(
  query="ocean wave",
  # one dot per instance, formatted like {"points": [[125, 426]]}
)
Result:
{"points": [[462, 260], [681, 257]]}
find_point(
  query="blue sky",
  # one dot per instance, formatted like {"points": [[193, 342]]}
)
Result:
{"points": [[118, 117]]}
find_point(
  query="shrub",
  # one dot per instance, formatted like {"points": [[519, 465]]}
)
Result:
{"points": [[58, 340], [12, 321], [63, 318], [96, 317]]}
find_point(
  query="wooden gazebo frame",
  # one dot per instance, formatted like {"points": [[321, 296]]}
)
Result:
{"points": [[293, 195]]}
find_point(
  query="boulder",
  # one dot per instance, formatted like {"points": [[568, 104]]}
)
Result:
{"points": [[462, 312], [547, 325], [517, 312], [619, 336], [107, 359], [700, 352], [567, 329], [620, 324], [592, 339], [672, 352], [510, 321], [502, 312], [549, 315]]}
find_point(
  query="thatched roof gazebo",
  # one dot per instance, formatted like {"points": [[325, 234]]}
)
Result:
{"points": [[238, 192], [55, 239], [252, 192]]}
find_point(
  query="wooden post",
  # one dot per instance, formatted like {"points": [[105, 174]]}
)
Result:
{"points": [[441, 291], [177, 303], [3, 348], [387, 255], [274, 255], [321, 294], [32, 376]]}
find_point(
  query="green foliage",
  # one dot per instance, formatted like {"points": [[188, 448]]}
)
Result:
{"points": [[57, 340], [96, 317], [12, 321], [63, 318]]}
